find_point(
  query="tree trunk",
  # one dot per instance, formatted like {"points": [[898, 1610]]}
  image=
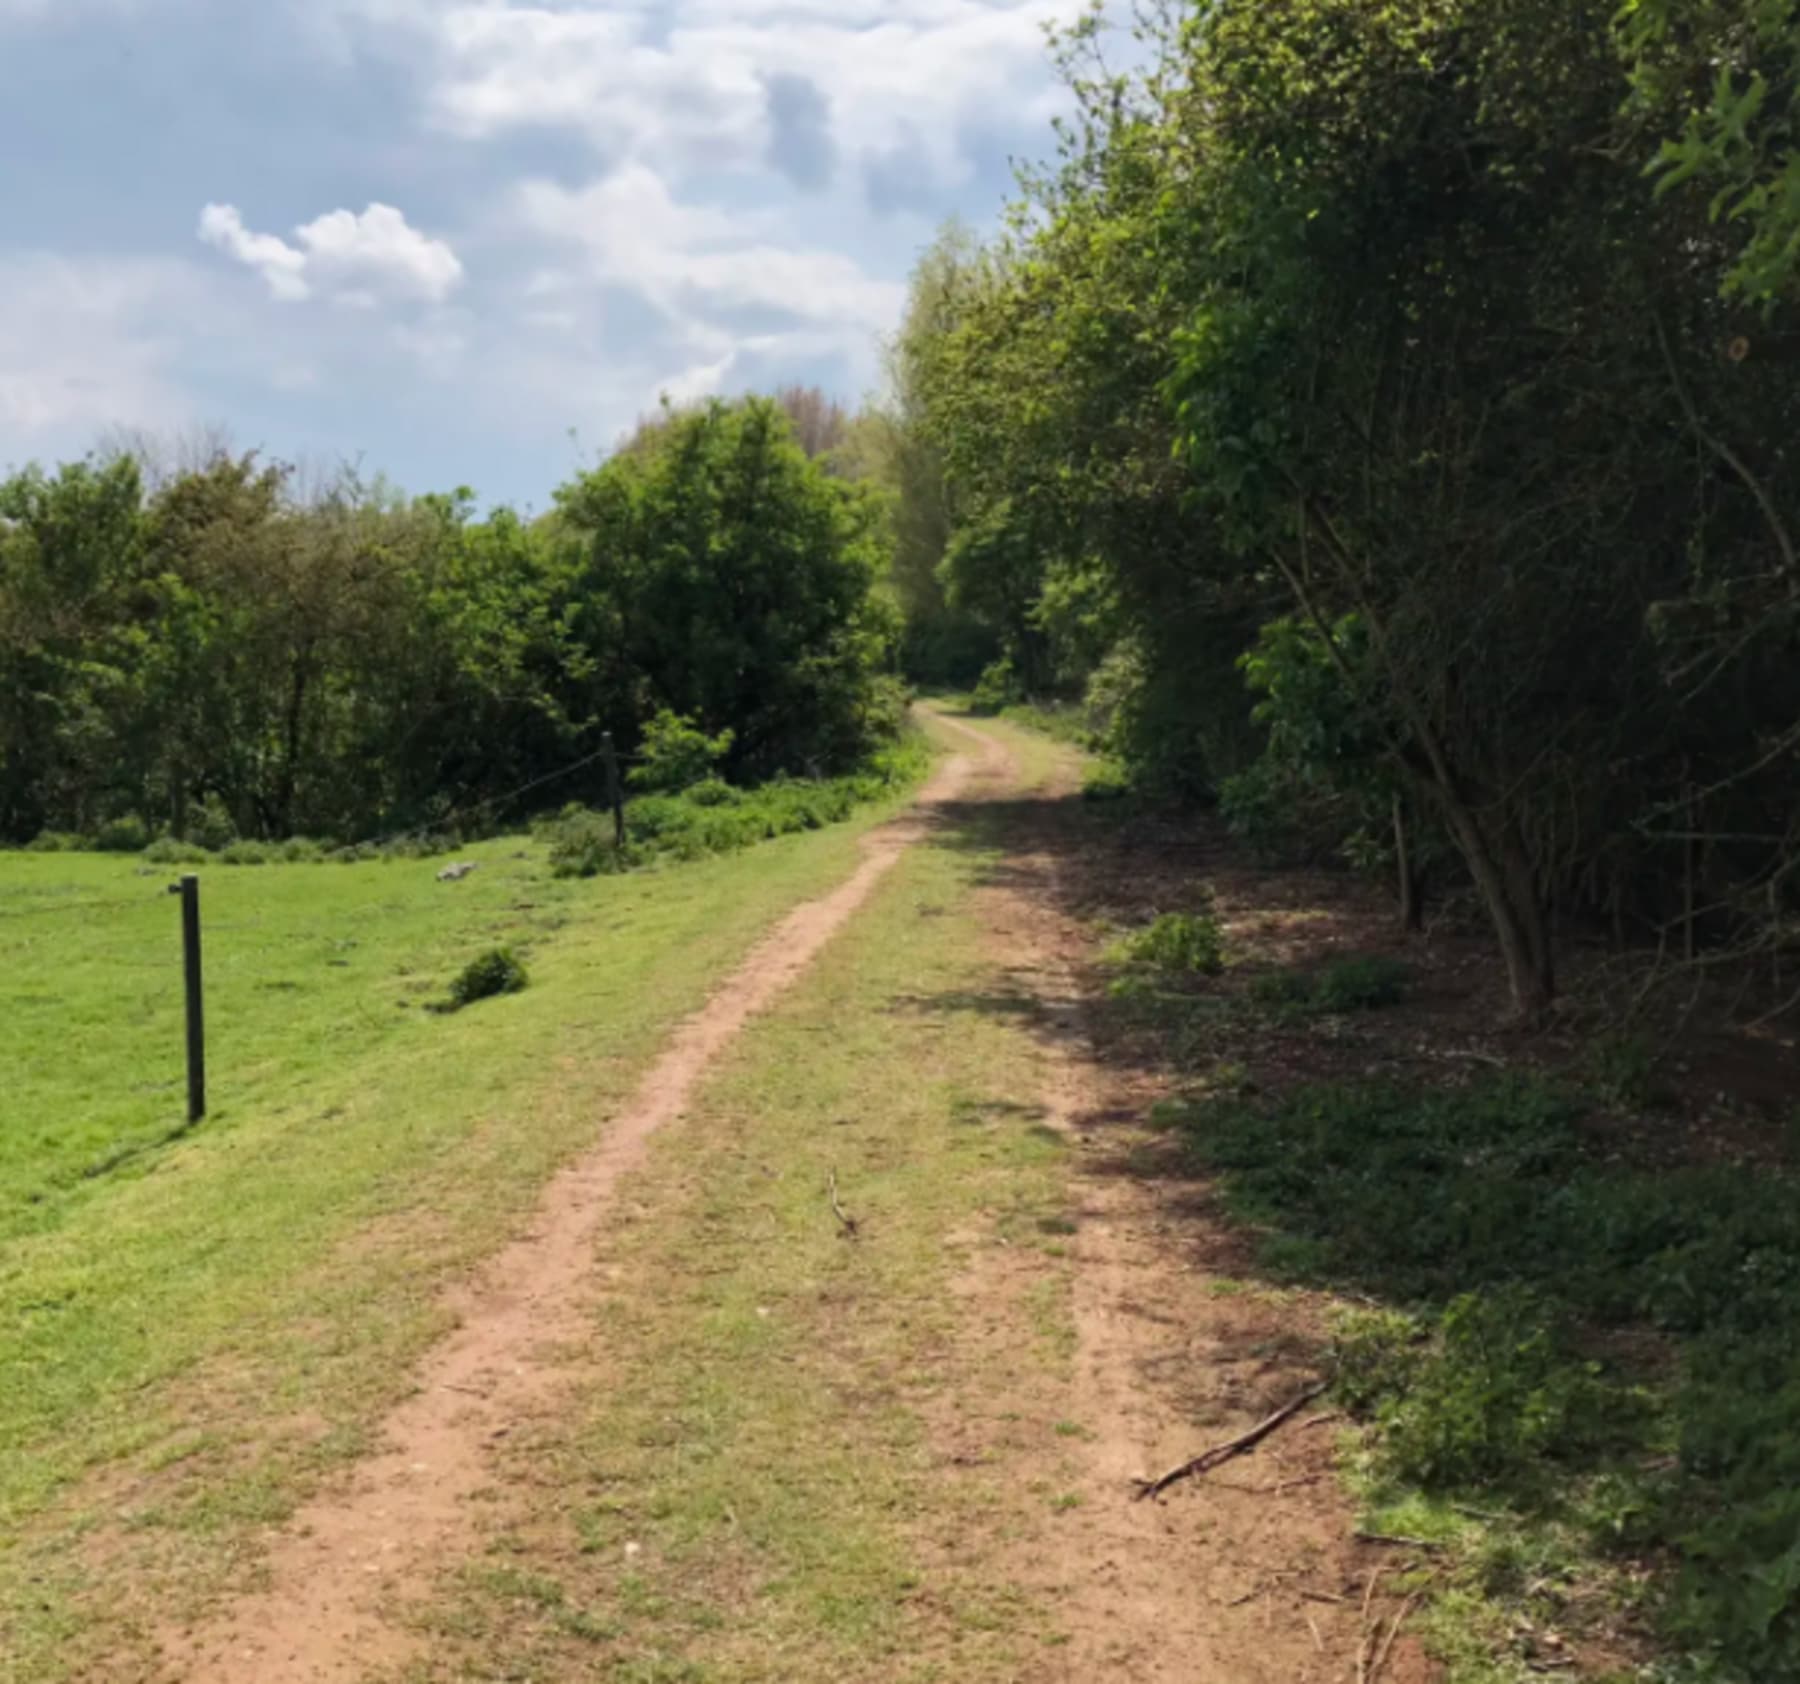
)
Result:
{"points": [[1528, 910], [1523, 943], [290, 771], [1412, 900]]}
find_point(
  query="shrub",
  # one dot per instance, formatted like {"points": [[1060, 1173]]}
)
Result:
{"points": [[1284, 991], [495, 972], [249, 853], [1366, 982], [302, 850], [676, 754], [582, 844], [171, 850], [127, 834], [210, 824], [56, 842], [1499, 1395], [1182, 943], [713, 792], [997, 688]]}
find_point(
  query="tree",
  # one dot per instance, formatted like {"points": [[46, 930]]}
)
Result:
{"points": [[735, 580], [1348, 314], [1725, 75]]}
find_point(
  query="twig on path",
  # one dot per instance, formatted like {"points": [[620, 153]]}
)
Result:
{"points": [[1362, 1641], [1387, 1644], [851, 1229], [1221, 1453], [1312, 1625], [1312, 1421]]}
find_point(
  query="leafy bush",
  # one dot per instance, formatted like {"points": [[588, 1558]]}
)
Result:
{"points": [[1285, 991], [713, 792], [1363, 983], [495, 972], [1182, 943], [997, 688], [56, 842], [171, 850], [302, 850], [1500, 1395], [249, 853], [583, 844], [210, 824], [676, 754], [127, 834], [713, 818]]}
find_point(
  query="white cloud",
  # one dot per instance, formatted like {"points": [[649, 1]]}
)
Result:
{"points": [[279, 264], [703, 260], [703, 380], [685, 83], [81, 349], [357, 258]]}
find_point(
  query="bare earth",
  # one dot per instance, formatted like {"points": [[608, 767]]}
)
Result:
{"points": [[1250, 1575]]}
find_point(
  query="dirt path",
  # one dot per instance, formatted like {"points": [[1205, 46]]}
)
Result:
{"points": [[1252, 1575], [341, 1576]]}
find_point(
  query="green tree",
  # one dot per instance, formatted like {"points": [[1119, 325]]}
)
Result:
{"points": [[733, 582]]}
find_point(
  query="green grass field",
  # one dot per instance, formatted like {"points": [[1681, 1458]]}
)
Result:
{"points": [[284, 1260]]}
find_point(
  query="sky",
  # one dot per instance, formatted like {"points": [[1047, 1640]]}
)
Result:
{"points": [[469, 242]]}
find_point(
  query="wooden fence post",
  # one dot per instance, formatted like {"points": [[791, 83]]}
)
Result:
{"points": [[189, 890]]}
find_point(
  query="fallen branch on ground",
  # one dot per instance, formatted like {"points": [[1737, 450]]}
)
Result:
{"points": [[1400, 1542], [1362, 1642], [1238, 1446], [1387, 1644], [850, 1224]]}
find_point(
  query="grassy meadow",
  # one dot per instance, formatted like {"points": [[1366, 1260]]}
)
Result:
{"points": [[283, 1261]]}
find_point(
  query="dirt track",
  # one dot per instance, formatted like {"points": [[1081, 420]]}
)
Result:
{"points": [[1252, 1578], [352, 1560]]}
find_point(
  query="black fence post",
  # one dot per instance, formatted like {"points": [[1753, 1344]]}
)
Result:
{"points": [[189, 890], [615, 788]]}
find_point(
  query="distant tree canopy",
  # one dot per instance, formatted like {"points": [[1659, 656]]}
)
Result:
{"points": [[1385, 408], [347, 661]]}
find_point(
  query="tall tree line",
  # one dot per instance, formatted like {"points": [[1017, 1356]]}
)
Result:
{"points": [[1385, 409], [223, 648]]}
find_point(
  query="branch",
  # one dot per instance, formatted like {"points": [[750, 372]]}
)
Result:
{"points": [[1728, 456], [1239, 1446]]}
